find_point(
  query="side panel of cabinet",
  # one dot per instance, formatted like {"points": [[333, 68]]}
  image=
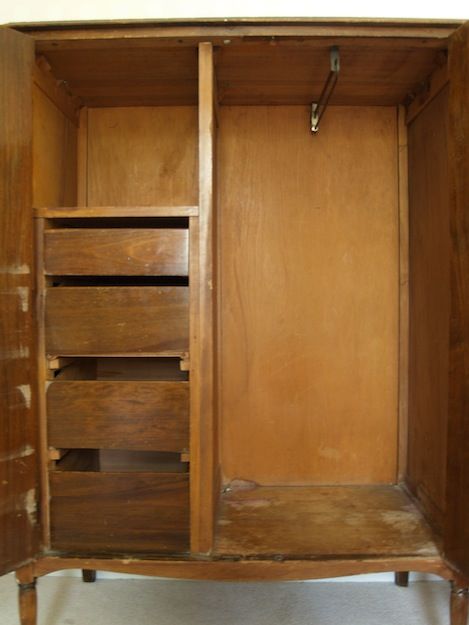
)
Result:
{"points": [[457, 492], [18, 449]]}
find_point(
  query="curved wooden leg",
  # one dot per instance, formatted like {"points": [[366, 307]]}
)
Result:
{"points": [[89, 575], [401, 578], [459, 605], [28, 603]]}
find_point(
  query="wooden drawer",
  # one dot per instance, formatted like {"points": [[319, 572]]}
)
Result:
{"points": [[146, 415], [116, 252], [95, 513], [116, 320]]}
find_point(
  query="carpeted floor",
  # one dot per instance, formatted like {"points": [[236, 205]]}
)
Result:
{"points": [[68, 601]]}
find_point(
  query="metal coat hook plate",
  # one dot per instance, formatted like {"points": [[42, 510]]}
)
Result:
{"points": [[319, 108]]}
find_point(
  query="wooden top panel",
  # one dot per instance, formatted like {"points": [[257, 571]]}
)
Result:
{"points": [[295, 73], [321, 521], [56, 33], [282, 70], [129, 76]]}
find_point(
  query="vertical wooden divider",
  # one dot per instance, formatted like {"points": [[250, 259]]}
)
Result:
{"points": [[204, 457]]}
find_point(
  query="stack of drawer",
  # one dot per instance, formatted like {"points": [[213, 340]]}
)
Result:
{"points": [[117, 292]]}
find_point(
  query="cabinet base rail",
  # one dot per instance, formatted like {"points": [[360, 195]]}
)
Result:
{"points": [[242, 570]]}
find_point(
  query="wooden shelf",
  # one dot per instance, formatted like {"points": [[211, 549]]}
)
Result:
{"points": [[322, 522], [71, 212]]}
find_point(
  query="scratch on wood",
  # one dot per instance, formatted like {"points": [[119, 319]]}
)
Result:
{"points": [[25, 391], [30, 505], [15, 354], [22, 452], [23, 293], [15, 269]]}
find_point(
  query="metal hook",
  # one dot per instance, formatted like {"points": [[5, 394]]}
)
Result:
{"points": [[319, 108]]}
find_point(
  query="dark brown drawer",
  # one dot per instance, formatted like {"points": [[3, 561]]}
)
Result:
{"points": [[94, 512], [116, 252], [94, 320], [144, 415]]}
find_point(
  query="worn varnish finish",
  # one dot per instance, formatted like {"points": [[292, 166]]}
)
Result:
{"points": [[116, 320], [309, 295], [121, 415], [119, 512], [429, 305], [321, 521], [154, 156], [297, 339], [237, 570], [18, 392], [116, 251], [457, 494]]}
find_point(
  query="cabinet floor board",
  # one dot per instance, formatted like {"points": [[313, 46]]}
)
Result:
{"points": [[321, 521]]}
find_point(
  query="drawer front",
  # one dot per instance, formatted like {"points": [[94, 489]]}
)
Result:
{"points": [[116, 252], [116, 320], [143, 415], [97, 513]]}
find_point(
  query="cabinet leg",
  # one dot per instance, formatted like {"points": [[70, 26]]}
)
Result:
{"points": [[89, 575], [401, 578], [28, 603], [459, 604]]}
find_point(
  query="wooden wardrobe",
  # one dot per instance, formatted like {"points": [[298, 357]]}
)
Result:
{"points": [[234, 295]]}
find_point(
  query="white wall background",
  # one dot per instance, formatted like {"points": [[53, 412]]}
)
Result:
{"points": [[60, 10]]}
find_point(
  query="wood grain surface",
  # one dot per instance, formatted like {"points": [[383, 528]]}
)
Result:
{"points": [[121, 415], [457, 492], [119, 512], [429, 305], [309, 295], [142, 156], [116, 320], [117, 251], [54, 154], [321, 521], [18, 386]]}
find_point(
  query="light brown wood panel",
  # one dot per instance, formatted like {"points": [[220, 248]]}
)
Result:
{"points": [[117, 251], [293, 74], [116, 320], [119, 512], [141, 156], [429, 303], [121, 415], [54, 154], [309, 295], [322, 521], [148, 69], [130, 76]]}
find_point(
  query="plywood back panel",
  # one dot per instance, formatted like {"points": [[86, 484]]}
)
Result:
{"points": [[309, 295], [429, 303], [54, 154], [142, 156]]}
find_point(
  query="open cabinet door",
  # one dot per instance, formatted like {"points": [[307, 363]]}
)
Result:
{"points": [[457, 500], [19, 530]]}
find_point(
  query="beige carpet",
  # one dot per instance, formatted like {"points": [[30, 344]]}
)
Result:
{"points": [[68, 601]]}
